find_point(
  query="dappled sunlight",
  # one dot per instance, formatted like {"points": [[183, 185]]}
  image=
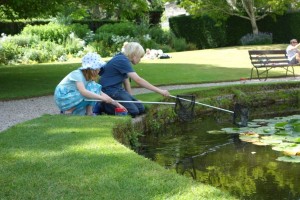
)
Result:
{"points": [[70, 130], [100, 146], [34, 155], [85, 148], [79, 156]]}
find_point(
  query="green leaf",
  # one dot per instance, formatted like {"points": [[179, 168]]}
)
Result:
{"points": [[281, 125], [216, 132], [292, 159]]}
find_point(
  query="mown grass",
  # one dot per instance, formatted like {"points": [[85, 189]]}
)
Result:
{"points": [[68, 157], [211, 65]]}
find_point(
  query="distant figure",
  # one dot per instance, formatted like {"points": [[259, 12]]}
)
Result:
{"points": [[155, 53], [115, 80], [293, 52], [78, 85]]}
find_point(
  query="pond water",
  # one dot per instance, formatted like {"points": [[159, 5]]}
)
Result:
{"points": [[245, 170]]}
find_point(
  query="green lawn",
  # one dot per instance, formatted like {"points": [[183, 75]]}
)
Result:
{"points": [[73, 157], [69, 157], [211, 65]]}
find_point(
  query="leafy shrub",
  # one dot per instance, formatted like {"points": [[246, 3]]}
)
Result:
{"points": [[54, 50], [55, 32], [179, 44], [24, 40], [89, 37], [100, 48], [37, 55], [80, 30], [73, 44], [191, 46], [9, 51], [260, 38], [160, 36]]}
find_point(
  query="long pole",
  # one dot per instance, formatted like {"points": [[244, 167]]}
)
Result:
{"points": [[203, 104], [144, 102]]}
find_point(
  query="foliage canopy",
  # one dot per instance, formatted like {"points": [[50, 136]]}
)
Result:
{"points": [[252, 10]]}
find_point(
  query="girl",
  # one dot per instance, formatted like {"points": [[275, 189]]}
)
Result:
{"points": [[80, 84]]}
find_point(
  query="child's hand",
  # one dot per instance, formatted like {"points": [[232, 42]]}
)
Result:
{"points": [[165, 93], [121, 106]]}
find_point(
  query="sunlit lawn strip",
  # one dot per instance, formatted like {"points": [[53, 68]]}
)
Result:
{"points": [[67, 157], [211, 65]]}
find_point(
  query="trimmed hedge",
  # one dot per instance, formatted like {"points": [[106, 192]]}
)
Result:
{"points": [[206, 33], [202, 31]]}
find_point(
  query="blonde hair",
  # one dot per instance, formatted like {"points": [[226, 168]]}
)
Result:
{"points": [[132, 49], [90, 74]]}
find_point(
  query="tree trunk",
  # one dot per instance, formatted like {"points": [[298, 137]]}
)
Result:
{"points": [[254, 25], [249, 8]]}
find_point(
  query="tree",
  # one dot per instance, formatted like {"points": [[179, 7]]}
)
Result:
{"points": [[252, 10], [28, 9], [120, 9], [16, 9]]}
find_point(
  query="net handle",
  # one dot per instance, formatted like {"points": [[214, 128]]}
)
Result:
{"points": [[144, 102], [203, 104]]}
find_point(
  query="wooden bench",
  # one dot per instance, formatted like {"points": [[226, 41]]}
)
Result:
{"points": [[270, 59]]}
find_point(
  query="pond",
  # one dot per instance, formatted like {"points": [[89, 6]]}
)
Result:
{"points": [[245, 170]]}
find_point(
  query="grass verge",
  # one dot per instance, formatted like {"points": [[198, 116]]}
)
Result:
{"points": [[70, 157], [211, 65]]}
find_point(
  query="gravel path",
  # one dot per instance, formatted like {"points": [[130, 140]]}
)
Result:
{"points": [[17, 111]]}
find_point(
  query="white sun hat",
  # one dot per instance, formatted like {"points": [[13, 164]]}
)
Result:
{"points": [[92, 61]]}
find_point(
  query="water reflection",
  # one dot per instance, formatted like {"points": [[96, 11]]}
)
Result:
{"points": [[243, 169]]}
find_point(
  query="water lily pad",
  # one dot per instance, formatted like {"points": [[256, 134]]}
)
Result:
{"points": [[265, 130], [247, 138], [292, 151], [292, 159], [290, 139], [281, 125], [296, 128], [217, 132], [259, 143], [297, 140], [282, 146], [250, 133], [282, 133], [273, 137], [271, 141], [231, 130], [269, 130], [253, 125], [294, 120]]}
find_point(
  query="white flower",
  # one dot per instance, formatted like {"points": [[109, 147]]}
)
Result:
{"points": [[72, 35]]}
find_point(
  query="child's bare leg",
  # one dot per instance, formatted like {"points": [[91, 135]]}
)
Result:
{"points": [[89, 110], [70, 111], [298, 57]]}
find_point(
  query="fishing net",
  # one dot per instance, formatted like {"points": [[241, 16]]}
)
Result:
{"points": [[184, 107], [240, 115]]}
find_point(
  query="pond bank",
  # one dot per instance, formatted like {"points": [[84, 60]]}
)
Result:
{"points": [[17, 111]]}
